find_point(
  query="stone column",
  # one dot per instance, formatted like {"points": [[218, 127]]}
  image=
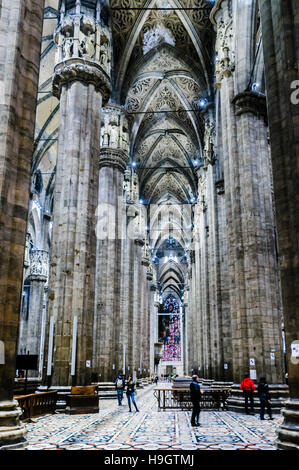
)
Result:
{"points": [[153, 325], [202, 262], [223, 286], [146, 334], [280, 22], [216, 334], [39, 268], [257, 218], [136, 317], [127, 286], [254, 292], [20, 32], [111, 230], [82, 85]]}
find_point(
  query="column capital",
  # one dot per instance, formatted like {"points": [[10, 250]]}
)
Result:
{"points": [[87, 72], [39, 266], [112, 157], [251, 102], [83, 52]]}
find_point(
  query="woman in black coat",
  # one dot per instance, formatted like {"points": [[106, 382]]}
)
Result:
{"points": [[130, 392]]}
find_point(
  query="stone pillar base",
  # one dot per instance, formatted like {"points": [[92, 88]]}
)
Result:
{"points": [[279, 394], [12, 430], [288, 432]]}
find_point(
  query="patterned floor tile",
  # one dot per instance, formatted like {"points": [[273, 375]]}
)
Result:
{"points": [[115, 428]]}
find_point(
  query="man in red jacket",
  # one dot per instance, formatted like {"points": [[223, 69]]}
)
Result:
{"points": [[247, 386]]}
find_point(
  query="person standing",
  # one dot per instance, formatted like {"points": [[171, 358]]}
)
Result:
{"points": [[195, 394], [131, 389], [264, 396], [248, 388], [120, 384]]}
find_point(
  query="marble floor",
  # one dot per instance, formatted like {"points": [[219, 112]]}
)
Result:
{"points": [[115, 428]]}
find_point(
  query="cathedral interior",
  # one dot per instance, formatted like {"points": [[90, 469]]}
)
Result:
{"points": [[149, 198]]}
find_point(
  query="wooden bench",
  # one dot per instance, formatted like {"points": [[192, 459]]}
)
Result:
{"points": [[83, 400], [37, 404]]}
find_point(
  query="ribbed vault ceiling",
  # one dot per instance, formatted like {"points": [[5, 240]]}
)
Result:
{"points": [[157, 84]]}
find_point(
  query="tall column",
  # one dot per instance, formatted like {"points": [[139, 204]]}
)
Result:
{"points": [[202, 263], [280, 23], [127, 285], [216, 334], [223, 286], [153, 326], [39, 267], [20, 32], [253, 273], [222, 17], [131, 191], [82, 85], [111, 230], [260, 266]]}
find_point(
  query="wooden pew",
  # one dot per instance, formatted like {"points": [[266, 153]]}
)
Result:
{"points": [[37, 404], [83, 400]]}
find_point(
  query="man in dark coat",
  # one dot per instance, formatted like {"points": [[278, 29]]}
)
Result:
{"points": [[195, 398], [264, 396]]}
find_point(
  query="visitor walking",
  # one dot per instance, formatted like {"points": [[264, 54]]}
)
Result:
{"points": [[195, 398], [156, 379], [120, 384], [264, 396], [131, 391], [248, 388]]}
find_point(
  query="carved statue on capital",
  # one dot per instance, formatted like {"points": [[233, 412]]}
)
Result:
{"points": [[81, 42], [39, 265], [114, 149], [221, 16], [209, 139], [115, 128], [131, 186]]}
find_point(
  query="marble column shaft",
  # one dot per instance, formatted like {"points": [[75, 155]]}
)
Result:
{"points": [[20, 32], [72, 275], [280, 23], [262, 296], [109, 258]]}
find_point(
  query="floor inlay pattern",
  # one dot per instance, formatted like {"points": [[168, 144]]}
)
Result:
{"points": [[115, 428]]}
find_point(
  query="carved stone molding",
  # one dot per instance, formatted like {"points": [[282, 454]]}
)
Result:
{"points": [[139, 240], [250, 102], [115, 129], [221, 17], [87, 72], [209, 142], [39, 266], [220, 187], [113, 158]]}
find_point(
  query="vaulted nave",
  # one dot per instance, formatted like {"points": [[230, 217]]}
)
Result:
{"points": [[148, 218]]}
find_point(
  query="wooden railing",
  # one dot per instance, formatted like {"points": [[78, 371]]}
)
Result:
{"points": [[37, 404], [170, 398]]}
